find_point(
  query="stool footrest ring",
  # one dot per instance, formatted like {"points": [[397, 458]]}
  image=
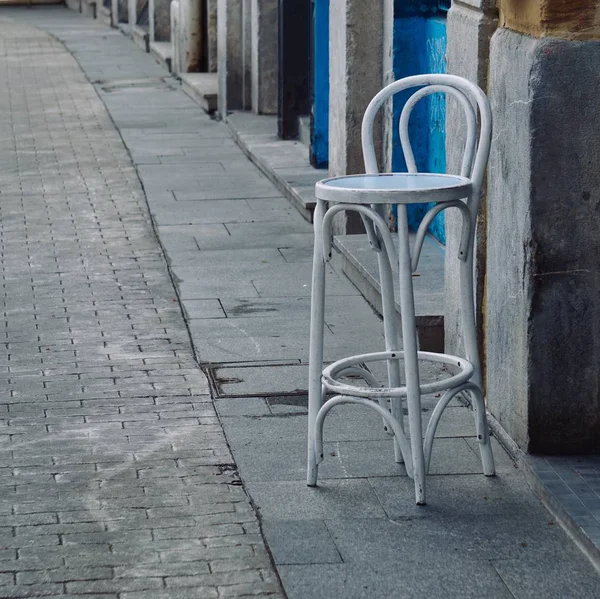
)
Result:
{"points": [[335, 370]]}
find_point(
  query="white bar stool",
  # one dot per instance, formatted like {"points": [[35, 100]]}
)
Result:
{"points": [[366, 194]]}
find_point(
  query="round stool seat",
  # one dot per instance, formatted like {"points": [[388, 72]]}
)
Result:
{"points": [[335, 370], [393, 188]]}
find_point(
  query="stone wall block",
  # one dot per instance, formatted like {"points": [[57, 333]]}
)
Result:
{"points": [[264, 56], [543, 314], [356, 70], [230, 24], [470, 29], [211, 30]]}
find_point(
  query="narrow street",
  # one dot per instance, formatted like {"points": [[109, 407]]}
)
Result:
{"points": [[141, 252]]}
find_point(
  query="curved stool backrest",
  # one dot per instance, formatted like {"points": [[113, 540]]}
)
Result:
{"points": [[469, 95]]}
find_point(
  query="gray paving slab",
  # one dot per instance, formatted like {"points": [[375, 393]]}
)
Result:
{"points": [[301, 542], [345, 459], [206, 308], [465, 496], [254, 379], [246, 406], [534, 577], [411, 580], [232, 211], [349, 516], [226, 187], [290, 500], [242, 307]]}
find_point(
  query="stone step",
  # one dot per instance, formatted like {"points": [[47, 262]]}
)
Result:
{"points": [[304, 130], [74, 5], [89, 8], [162, 52], [104, 15], [141, 37], [285, 163], [359, 264], [203, 88]]}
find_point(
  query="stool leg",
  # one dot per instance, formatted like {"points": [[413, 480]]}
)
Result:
{"points": [[317, 329], [467, 308], [483, 434], [391, 340], [467, 298], [411, 361]]}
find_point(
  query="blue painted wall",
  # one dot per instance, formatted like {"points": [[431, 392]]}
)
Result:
{"points": [[420, 47], [320, 116]]}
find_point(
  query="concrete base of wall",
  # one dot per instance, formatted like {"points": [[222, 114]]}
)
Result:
{"points": [[74, 5], [105, 15], [304, 130], [203, 88], [89, 8], [162, 52], [141, 37]]}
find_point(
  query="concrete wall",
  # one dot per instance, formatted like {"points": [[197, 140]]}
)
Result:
{"points": [[160, 20], [211, 32], [231, 55], [356, 75], [470, 26], [264, 56], [356, 71], [175, 38], [132, 12], [186, 35], [543, 314], [120, 12], [247, 54]]}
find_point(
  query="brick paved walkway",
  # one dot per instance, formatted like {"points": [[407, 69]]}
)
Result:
{"points": [[115, 477]]}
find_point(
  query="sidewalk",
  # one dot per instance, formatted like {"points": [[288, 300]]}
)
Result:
{"points": [[239, 255], [116, 479]]}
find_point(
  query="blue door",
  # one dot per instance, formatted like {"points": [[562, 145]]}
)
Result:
{"points": [[319, 150], [420, 47]]}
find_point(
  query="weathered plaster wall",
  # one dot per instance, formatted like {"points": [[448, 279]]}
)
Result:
{"points": [[356, 58], [230, 23], [543, 314], [186, 37], [571, 19], [471, 24], [264, 56], [160, 30], [211, 31]]}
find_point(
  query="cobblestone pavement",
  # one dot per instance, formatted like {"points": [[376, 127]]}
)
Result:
{"points": [[116, 480]]}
